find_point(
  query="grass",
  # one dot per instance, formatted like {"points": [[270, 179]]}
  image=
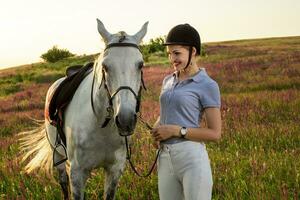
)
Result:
{"points": [[257, 157]]}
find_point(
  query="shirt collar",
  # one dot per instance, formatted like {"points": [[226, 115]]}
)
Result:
{"points": [[196, 78]]}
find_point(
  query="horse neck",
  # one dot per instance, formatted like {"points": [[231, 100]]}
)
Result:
{"points": [[100, 96]]}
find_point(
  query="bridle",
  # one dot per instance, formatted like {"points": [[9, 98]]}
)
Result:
{"points": [[110, 110]]}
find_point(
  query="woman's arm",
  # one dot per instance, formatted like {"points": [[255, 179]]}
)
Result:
{"points": [[211, 133], [213, 130]]}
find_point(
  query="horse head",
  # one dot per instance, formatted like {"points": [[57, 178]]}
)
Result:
{"points": [[120, 68]]}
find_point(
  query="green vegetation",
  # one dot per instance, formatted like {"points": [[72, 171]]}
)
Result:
{"points": [[257, 157], [55, 54], [155, 52], [154, 46]]}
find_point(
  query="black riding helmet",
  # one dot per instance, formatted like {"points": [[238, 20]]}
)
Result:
{"points": [[186, 35]]}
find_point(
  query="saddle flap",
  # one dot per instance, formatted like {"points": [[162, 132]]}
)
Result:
{"points": [[64, 92]]}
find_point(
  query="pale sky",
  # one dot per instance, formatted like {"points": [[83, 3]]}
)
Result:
{"points": [[31, 27]]}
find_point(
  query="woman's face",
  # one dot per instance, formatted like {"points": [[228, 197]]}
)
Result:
{"points": [[178, 56]]}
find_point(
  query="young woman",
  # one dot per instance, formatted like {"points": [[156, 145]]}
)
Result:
{"points": [[184, 170]]}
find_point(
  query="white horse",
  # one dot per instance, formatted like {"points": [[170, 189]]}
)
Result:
{"points": [[112, 90]]}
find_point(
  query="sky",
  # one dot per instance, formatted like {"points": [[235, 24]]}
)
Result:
{"points": [[29, 28]]}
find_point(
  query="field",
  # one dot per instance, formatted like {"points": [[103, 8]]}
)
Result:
{"points": [[257, 157]]}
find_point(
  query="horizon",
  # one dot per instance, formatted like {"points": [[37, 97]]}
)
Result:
{"points": [[36, 27], [246, 39]]}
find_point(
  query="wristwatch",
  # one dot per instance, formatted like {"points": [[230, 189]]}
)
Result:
{"points": [[183, 132]]}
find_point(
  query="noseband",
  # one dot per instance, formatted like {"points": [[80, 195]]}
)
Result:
{"points": [[110, 109]]}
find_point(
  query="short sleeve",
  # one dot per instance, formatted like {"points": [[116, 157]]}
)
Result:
{"points": [[211, 96]]}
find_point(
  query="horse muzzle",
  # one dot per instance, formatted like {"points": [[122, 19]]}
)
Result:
{"points": [[126, 123]]}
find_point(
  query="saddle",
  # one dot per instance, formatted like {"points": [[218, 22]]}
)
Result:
{"points": [[64, 93]]}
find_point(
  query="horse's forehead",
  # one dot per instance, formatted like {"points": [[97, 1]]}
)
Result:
{"points": [[122, 36], [124, 54]]}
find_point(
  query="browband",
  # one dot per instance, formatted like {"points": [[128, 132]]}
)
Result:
{"points": [[122, 45]]}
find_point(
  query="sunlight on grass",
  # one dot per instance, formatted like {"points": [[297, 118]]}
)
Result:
{"points": [[257, 157]]}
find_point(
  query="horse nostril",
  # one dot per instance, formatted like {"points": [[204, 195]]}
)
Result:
{"points": [[126, 124], [120, 124]]}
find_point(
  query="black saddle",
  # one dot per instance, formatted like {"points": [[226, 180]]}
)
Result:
{"points": [[64, 94]]}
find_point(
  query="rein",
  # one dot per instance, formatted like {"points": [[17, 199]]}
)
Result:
{"points": [[128, 157], [110, 110]]}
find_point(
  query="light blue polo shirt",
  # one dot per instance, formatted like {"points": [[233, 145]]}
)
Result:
{"points": [[182, 102]]}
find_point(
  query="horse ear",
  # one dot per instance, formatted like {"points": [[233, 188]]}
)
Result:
{"points": [[103, 32], [140, 35]]}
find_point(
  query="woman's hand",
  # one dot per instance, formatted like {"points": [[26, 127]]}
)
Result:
{"points": [[163, 132]]}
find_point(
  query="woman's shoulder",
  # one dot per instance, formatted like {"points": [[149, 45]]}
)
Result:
{"points": [[209, 90], [205, 79]]}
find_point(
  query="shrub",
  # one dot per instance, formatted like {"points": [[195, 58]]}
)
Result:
{"points": [[55, 54], [155, 45]]}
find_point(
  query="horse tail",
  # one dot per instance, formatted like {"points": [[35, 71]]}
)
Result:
{"points": [[36, 148]]}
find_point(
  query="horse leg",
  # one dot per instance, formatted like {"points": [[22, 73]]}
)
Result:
{"points": [[78, 179], [112, 176], [63, 179], [111, 182]]}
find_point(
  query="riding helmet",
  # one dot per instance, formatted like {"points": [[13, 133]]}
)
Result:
{"points": [[184, 34]]}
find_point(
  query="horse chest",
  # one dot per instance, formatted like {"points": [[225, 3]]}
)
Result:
{"points": [[103, 149]]}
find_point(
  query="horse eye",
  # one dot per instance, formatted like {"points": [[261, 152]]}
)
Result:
{"points": [[141, 64]]}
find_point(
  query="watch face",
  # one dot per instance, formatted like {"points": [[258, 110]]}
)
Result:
{"points": [[183, 131]]}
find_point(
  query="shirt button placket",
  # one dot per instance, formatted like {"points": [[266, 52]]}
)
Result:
{"points": [[169, 96]]}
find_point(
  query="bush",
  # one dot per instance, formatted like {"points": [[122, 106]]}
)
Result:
{"points": [[55, 54], [155, 45]]}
